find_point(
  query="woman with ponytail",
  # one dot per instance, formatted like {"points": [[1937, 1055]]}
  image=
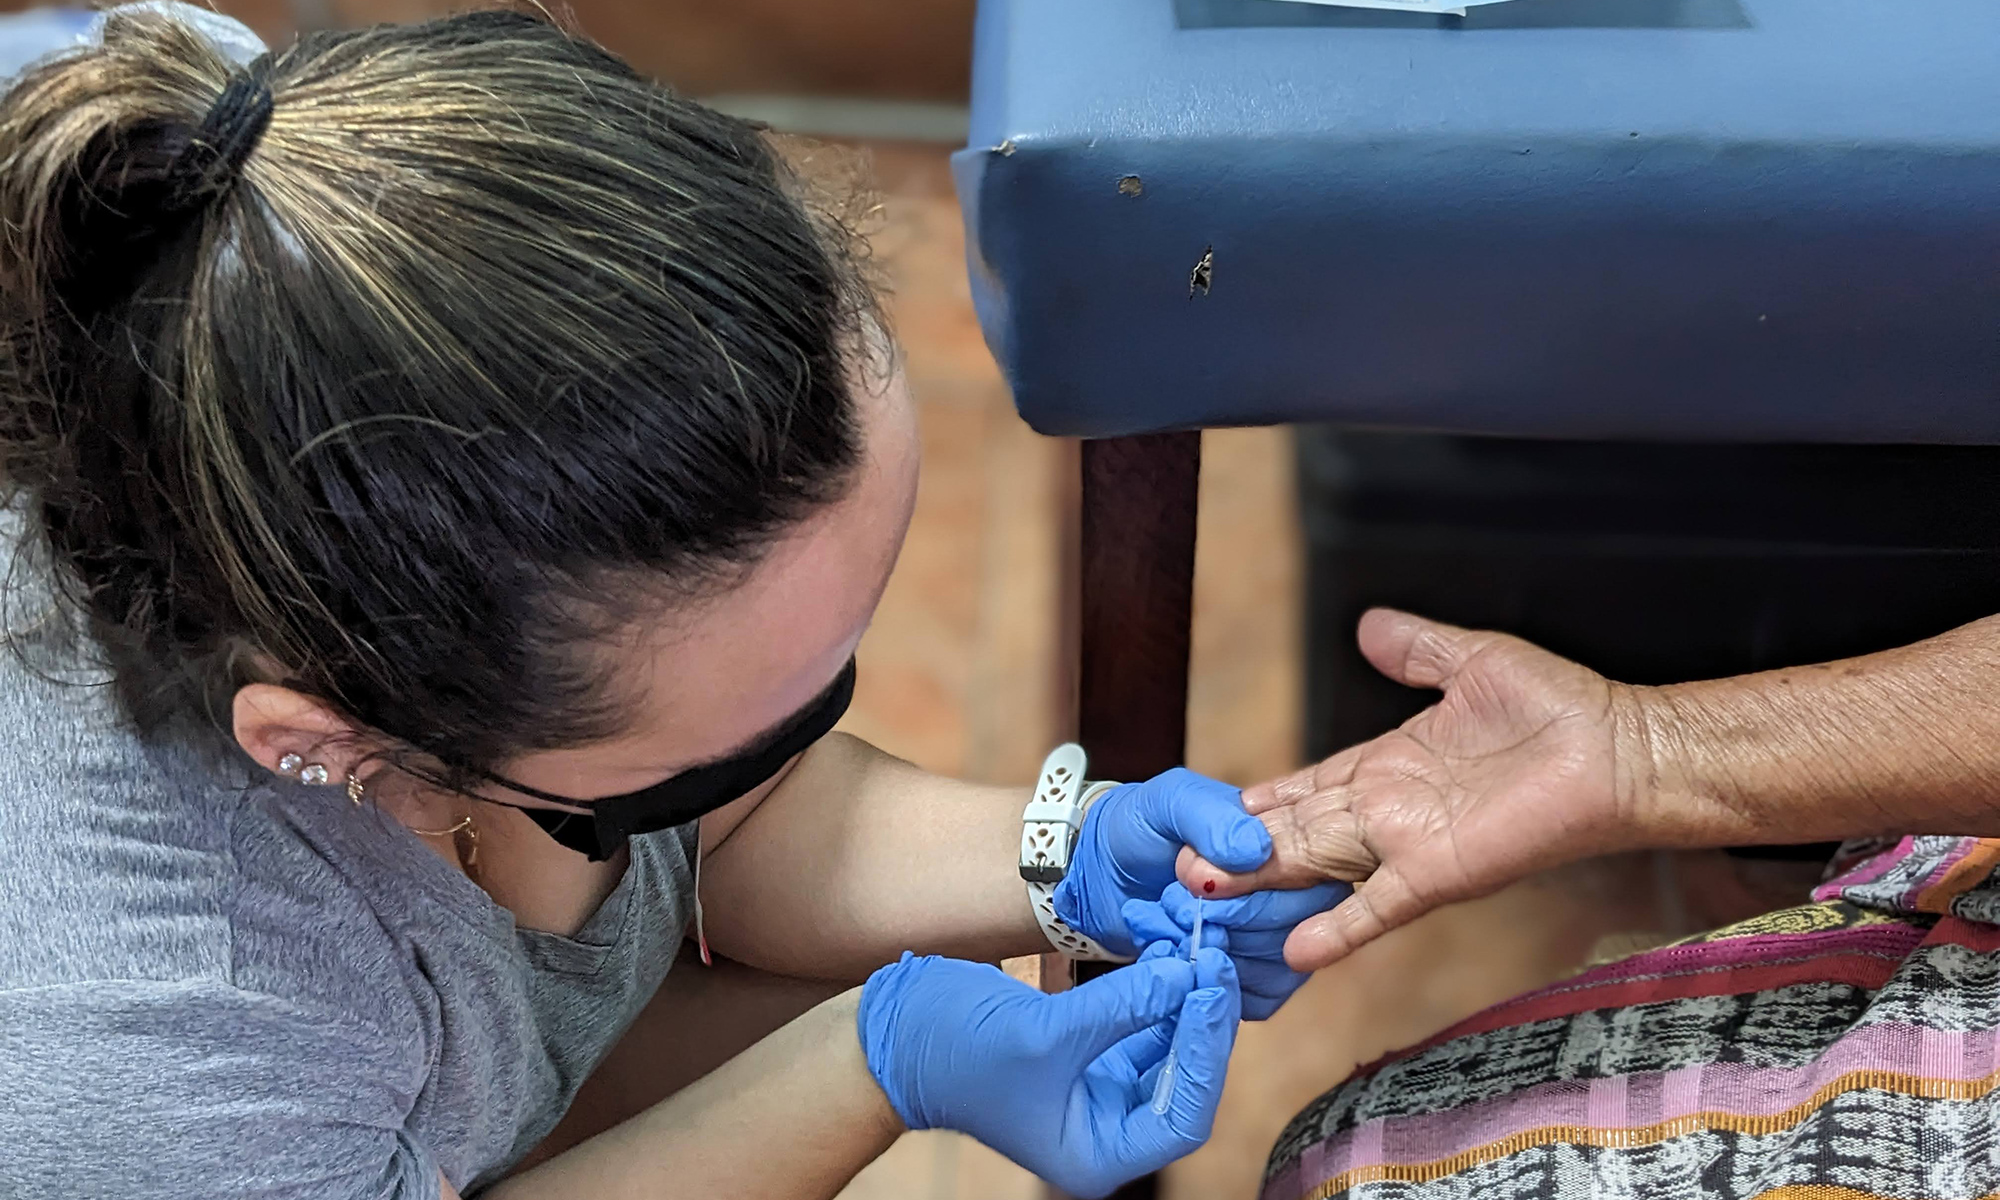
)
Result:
{"points": [[449, 477]]}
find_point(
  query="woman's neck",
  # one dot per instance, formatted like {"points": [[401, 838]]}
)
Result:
{"points": [[544, 885]]}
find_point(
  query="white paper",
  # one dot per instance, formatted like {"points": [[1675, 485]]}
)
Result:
{"points": [[1454, 8]]}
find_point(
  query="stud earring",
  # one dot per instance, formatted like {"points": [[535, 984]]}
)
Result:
{"points": [[355, 788], [290, 764], [313, 774]]}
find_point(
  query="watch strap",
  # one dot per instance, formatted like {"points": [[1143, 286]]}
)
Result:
{"points": [[1050, 826], [1054, 816], [1067, 942]]}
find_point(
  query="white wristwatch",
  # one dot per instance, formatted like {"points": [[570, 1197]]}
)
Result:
{"points": [[1050, 826]]}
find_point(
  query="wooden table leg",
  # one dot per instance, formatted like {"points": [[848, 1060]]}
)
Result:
{"points": [[1135, 601]]}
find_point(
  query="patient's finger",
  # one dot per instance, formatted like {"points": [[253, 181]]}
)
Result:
{"points": [[1309, 844], [1326, 775], [1382, 902]]}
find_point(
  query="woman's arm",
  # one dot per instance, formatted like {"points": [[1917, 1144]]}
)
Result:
{"points": [[856, 856], [797, 1114], [700, 1018], [1062, 1084]]}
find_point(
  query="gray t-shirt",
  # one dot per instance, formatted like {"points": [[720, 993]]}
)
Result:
{"points": [[228, 987]]}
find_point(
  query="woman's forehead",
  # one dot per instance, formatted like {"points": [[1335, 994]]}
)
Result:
{"points": [[704, 680]]}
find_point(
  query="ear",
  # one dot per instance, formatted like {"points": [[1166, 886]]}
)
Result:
{"points": [[272, 722]]}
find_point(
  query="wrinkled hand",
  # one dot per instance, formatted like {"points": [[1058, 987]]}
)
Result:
{"points": [[1061, 1084], [1252, 929], [1132, 839], [1526, 762]]}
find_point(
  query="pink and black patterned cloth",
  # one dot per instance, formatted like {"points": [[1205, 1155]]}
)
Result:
{"points": [[1845, 1050]]}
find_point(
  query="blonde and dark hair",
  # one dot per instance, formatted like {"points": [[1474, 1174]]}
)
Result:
{"points": [[488, 342]]}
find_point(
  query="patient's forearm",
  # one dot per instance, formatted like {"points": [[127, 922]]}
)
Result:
{"points": [[1903, 741]]}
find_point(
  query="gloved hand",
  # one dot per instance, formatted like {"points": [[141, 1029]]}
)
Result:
{"points": [[1252, 929], [1061, 1084], [1130, 839]]}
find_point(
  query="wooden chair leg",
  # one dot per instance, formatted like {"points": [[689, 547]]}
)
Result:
{"points": [[1135, 600], [1137, 530]]}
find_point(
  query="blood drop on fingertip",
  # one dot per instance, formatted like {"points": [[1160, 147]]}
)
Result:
{"points": [[1208, 885]]}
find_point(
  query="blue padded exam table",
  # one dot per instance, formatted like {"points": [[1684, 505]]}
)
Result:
{"points": [[1692, 219], [1689, 220]]}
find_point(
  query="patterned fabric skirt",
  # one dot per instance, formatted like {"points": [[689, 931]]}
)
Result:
{"points": [[1844, 1050]]}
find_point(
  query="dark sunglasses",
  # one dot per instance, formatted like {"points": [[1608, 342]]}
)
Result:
{"points": [[612, 820]]}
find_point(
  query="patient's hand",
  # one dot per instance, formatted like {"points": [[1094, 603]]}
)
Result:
{"points": [[1527, 761]]}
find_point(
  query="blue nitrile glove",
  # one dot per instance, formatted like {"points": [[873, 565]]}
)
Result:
{"points": [[1129, 842], [1251, 928], [1061, 1084]]}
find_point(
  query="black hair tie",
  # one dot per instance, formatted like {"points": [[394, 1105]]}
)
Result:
{"points": [[215, 154]]}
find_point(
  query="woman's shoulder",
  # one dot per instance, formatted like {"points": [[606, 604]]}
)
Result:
{"points": [[130, 858], [121, 853], [150, 1088], [175, 1024], [124, 858], [110, 864]]}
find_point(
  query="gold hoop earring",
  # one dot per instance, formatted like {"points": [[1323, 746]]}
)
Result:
{"points": [[464, 826], [468, 848]]}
